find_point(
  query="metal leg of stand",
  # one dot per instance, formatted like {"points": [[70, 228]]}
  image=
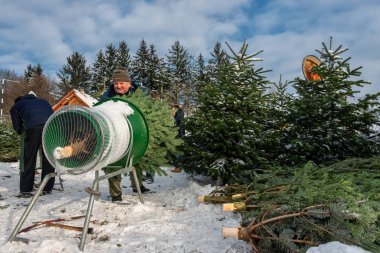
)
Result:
{"points": [[61, 182], [88, 215], [30, 206], [97, 184], [95, 187], [134, 173]]}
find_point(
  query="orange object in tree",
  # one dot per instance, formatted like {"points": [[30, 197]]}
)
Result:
{"points": [[308, 63]]}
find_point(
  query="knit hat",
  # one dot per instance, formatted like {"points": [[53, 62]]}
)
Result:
{"points": [[121, 75]]}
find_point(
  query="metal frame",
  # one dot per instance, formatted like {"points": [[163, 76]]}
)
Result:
{"points": [[128, 167], [95, 187], [30, 206]]}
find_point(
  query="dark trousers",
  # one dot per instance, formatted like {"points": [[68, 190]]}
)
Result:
{"points": [[32, 143]]}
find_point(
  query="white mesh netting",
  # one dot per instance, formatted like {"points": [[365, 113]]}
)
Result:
{"points": [[77, 139]]}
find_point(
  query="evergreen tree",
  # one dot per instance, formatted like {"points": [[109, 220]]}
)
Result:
{"points": [[200, 77], [111, 57], [123, 56], [33, 71], [140, 66], [104, 66], [278, 111], [99, 78], [178, 65], [218, 56], [325, 124], [162, 80], [73, 74], [155, 66], [226, 133], [200, 69]]}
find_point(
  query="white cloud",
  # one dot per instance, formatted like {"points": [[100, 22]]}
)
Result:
{"points": [[47, 32]]}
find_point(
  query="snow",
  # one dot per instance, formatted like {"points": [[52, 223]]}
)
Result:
{"points": [[170, 220], [336, 247], [90, 101]]}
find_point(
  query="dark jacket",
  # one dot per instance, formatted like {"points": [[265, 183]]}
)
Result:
{"points": [[30, 111], [178, 117], [110, 92]]}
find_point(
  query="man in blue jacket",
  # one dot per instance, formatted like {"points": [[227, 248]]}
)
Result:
{"points": [[29, 115], [121, 87]]}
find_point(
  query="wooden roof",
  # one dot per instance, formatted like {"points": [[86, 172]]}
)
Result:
{"points": [[75, 97]]}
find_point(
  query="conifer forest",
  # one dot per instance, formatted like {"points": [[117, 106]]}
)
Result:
{"points": [[298, 159]]}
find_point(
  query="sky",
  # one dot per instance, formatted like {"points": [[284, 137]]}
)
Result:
{"points": [[47, 32]]}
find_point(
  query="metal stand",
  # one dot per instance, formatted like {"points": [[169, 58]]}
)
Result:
{"points": [[30, 206], [95, 188]]}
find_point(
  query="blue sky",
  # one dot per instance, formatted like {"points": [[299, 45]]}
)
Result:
{"points": [[46, 32]]}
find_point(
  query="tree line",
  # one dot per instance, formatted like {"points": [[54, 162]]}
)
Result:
{"points": [[238, 120]]}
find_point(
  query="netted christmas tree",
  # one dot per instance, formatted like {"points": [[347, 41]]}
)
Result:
{"points": [[327, 122], [226, 135]]}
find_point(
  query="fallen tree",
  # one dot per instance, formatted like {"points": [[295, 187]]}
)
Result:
{"points": [[292, 209]]}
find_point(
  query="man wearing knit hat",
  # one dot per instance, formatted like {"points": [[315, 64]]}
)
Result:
{"points": [[122, 86]]}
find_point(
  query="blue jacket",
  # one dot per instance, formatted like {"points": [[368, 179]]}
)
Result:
{"points": [[29, 112]]}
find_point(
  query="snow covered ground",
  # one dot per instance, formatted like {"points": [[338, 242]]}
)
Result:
{"points": [[170, 220]]}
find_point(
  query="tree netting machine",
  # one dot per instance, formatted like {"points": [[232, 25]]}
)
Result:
{"points": [[76, 139]]}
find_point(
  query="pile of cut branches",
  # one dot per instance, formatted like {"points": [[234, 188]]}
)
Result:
{"points": [[292, 209]]}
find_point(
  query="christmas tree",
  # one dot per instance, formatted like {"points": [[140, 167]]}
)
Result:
{"points": [[226, 132], [326, 123]]}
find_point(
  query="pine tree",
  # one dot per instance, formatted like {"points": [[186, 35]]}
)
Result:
{"points": [[111, 55], [123, 56], [218, 56], [140, 66], [178, 64], [74, 74], [155, 66], [99, 78], [278, 111], [325, 123], [104, 65], [226, 133], [200, 77], [33, 71]]}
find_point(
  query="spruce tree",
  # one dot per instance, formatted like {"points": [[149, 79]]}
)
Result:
{"points": [[111, 54], [226, 133], [278, 111], [218, 56], [99, 79], [33, 71], [155, 65], [200, 78], [140, 65], [123, 56], [104, 65], [73, 74], [326, 124], [178, 65]]}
